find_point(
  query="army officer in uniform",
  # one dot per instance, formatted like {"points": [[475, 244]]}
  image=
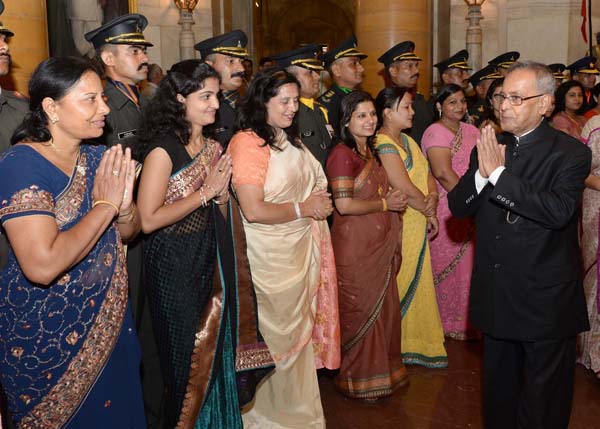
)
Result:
{"points": [[121, 47], [226, 53], [315, 130], [343, 63], [402, 68]]}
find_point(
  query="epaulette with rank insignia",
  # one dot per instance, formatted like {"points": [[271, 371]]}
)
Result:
{"points": [[327, 96]]}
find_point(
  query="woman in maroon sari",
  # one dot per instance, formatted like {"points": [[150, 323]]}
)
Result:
{"points": [[366, 243]]}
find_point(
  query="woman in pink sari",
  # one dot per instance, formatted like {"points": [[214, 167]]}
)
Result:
{"points": [[588, 343], [448, 144], [568, 100]]}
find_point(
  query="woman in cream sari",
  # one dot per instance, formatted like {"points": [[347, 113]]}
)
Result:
{"points": [[282, 193]]}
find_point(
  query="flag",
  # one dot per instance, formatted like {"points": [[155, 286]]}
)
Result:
{"points": [[584, 22]]}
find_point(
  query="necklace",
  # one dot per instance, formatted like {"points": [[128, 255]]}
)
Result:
{"points": [[192, 146], [59, 151], [449, 126]]}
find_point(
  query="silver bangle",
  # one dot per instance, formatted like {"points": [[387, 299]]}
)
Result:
{"points": [[297, 210]]}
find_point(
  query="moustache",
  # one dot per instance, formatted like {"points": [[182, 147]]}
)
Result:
{"points": [[415, 75], [7, 55], [238, 74], [141, 66]]}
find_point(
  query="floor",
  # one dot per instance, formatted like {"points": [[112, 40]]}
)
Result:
{"points": [[444, 398]]}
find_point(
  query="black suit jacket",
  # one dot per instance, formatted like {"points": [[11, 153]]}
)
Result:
{"points": [[527, 280]]}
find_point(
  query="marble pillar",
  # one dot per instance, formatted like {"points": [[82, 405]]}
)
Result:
{"points": [[381, 24]]}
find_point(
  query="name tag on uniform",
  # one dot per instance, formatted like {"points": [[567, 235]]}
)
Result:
{"points": [[221, 130], [308, 133], [330, 130], [127, 134]]}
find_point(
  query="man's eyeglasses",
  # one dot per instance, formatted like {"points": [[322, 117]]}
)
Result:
{"points": [[514, 100]]}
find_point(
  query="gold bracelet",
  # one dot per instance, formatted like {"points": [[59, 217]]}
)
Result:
{"points": [[385, 206], [108, 203]]}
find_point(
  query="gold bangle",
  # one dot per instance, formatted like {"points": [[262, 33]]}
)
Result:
{"points": [[385, 206], [108, 203]]}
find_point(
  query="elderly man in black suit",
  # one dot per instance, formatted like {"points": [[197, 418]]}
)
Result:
{"points": [[526, 291]]}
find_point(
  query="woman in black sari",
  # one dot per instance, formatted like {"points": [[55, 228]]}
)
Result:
{"points": [[190, 257]]}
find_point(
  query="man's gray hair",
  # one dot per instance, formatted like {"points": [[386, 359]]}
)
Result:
{"points": [[543, 75]]}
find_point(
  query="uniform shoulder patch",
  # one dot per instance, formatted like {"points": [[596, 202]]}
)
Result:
{"points": [[327, 96]]}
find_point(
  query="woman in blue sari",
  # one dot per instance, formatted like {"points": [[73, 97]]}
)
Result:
{"points": [[69, 355], [196, 271]]}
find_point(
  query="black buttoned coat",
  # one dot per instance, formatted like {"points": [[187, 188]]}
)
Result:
{"points": [[527, 275]]}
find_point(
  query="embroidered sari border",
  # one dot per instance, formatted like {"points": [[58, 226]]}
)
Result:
{"points": [[203, 357], [414, 283], [63, 400], [362, 177], [371, 320], [427, 361], [29, 200], [189, 177], [251, 353], [373, 387], [437, 279]]}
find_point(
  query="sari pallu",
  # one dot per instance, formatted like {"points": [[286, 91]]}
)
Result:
{"points": [[367, 255], [69, 354], [192, 279]]}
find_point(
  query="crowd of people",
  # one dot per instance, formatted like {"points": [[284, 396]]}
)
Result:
{"points": [[190, 256]]}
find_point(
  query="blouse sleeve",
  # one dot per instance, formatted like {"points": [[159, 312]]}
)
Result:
{"points": [[385, 146], [250, 159], [341, 172], [434, 137], [25, 186]]}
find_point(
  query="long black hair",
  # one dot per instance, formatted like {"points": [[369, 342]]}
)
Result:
{"points": [[52, 78], [252, 108], [165, 115], [445, 92], [386, 99], [561, 94], [349, 104]]}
